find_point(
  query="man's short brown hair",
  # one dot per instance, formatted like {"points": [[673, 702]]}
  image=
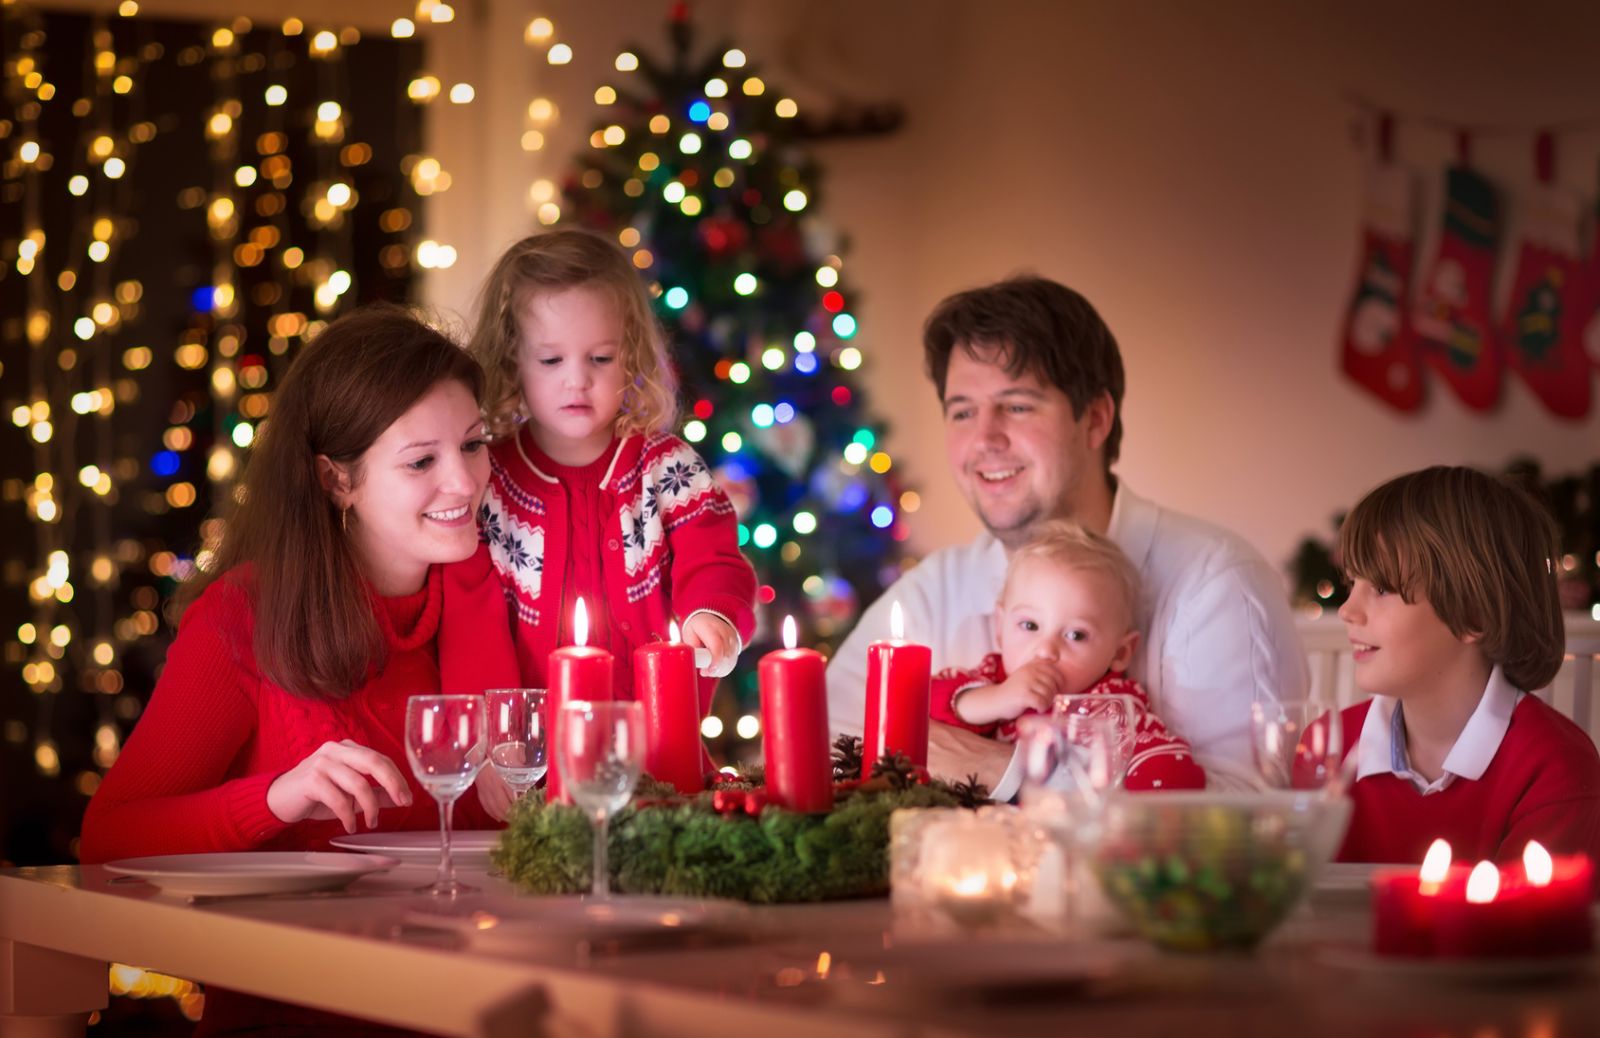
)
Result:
{"points": [[1035, 326], [1483, 553]]}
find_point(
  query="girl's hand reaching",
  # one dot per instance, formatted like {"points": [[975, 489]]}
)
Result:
{"points": [[706, 630]]}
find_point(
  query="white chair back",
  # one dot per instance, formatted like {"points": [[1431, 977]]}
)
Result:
{"points": [[1572, 692]]}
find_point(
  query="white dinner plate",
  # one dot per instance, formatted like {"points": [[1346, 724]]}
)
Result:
{"points": [[1347, 877], [253, 872], [470, 848], [564, 921]]}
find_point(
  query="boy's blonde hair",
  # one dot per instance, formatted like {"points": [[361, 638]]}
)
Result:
{"points": [[1480, 550], [1073, 546], [554, 262]]}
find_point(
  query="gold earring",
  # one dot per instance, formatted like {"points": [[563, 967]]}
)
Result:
{"points": [[344, 518]]}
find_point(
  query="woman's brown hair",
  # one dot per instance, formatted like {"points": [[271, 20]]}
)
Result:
{"points": [[1482, 552], [554, 262], [316, 634]]}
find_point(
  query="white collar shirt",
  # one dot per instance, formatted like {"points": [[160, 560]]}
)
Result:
{"points": [[1381, 748]]}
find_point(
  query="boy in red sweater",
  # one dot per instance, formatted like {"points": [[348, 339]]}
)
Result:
{"points": [[1065, 625], [1453, 617]]}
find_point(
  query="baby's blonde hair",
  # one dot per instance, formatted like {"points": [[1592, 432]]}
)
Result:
{"points": [[1075, 547], [554, 262]]}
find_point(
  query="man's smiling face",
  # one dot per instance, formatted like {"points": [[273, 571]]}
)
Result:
{"points": [[1017, 452]]}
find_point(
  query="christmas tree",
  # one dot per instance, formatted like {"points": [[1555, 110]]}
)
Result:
{"points": [[698, 167]]}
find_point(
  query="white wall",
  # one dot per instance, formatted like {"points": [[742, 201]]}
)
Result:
{"points": [[1190, 167]]}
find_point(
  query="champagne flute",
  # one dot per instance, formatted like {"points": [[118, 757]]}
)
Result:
{"points": [[517, 736], [445, 746], [600, 753], [1297, 745]]}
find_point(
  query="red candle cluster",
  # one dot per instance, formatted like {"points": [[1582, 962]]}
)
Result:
{"points": [[577, 672], [898, 681], [1539, 907], [664, 682], [794, 727]]}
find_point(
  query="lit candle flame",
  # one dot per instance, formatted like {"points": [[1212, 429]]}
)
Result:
{"points": [[897, 622], [672, 631], [1483, 884], [824, 964], [580, 623], [1537, 864], [1436, 866], [973, 884], [790, 637]]}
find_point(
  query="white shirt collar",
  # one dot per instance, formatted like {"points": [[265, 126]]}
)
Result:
{"points": [[1379, 752]]}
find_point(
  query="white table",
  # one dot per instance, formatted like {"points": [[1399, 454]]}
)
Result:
{"points": [[356, 953]]}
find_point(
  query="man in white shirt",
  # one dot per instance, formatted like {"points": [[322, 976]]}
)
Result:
{"points": [[1031, 383]]}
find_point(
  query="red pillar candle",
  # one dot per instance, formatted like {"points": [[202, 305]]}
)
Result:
{"points": [[898, 677], [794, 727], [1557, 892], [664, 682], [576, 672], [1404, 902], [1536, 909], [1483, 923]]}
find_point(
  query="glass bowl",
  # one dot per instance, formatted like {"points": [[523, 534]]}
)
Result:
{"points": [[1197, 871]]}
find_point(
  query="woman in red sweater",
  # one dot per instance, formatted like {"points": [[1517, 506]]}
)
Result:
{"points": [[349, 579]]}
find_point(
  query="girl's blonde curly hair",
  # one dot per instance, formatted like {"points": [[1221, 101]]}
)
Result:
{"points": [[554, 262]]}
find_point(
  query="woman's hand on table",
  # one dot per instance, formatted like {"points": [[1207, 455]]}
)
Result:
{"points": [[338, 780]]}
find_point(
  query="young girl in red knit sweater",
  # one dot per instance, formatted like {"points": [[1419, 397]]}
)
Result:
{"points": [[1453, 618], [1065, 625], [589, 494], [348, 579]]}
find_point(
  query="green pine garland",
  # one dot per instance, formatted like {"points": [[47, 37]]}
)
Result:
{"points": [[686, 848]]}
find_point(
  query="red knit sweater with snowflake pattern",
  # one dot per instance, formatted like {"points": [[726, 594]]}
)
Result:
{"points": [[644, 534]]}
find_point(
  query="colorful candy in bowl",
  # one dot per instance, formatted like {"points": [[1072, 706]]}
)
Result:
{"points": [[1196, 871]]}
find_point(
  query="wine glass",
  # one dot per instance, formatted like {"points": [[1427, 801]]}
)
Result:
{"points": [[600, 753], [1298, 744], [1103, 727], [445, 745], [517, 736], [1076, 756]]}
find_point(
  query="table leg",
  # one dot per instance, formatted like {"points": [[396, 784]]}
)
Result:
{"points": [[44, 992]]}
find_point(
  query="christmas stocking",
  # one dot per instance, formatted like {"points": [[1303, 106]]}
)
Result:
{"points": [[1450, 319], [1377, 352], [1541, 333], [1589, 325]]}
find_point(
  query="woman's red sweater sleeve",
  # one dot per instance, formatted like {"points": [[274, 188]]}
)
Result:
{"points": [[171, 791]]}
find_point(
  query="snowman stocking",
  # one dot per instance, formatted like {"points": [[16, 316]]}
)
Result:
{"points": [[1377, 351]]}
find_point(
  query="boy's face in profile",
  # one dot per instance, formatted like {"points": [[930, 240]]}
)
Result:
{"points": [[1402, 648], [1074, 618]]}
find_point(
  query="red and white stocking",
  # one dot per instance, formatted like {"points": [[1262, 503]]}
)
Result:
{"points": [[1376, 351], [1450, 320], [1541, 332]]}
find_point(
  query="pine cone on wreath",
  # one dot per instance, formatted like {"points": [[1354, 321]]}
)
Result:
{"points": [[970, 792], [846, 758], [899, 771]]}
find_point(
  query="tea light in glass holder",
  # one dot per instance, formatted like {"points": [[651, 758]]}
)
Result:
{"points": [[968, 870]]}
